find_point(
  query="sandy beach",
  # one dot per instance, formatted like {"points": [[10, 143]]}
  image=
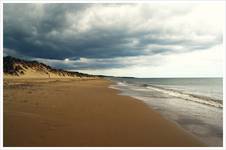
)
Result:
{"points": [[54, 112]]}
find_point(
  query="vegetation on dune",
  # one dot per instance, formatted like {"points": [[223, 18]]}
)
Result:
{"points": [[17, 67]]}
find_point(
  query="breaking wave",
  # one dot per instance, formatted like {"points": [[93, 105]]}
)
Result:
{"points": [[188, 96]]}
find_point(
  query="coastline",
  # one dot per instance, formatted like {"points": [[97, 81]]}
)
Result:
{"points": [[83, 113], [205, 122]]}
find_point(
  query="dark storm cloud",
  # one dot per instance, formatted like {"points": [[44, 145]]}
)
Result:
{"points": [[26, 30], [59, 31], [89, 64]]}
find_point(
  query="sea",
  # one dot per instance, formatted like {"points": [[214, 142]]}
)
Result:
{"points": [[194, 104]]}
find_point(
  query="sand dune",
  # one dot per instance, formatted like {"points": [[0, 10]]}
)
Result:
{"points": [[18, 68]]}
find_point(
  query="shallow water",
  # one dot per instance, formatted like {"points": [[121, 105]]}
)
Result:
{"points": [[202, 119]]}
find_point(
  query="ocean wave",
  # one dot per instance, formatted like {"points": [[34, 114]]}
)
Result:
{"points": [[175, 93], [187, 96], [122, 83]]}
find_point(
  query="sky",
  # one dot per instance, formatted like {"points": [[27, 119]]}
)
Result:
{"points": [[134, 39]]}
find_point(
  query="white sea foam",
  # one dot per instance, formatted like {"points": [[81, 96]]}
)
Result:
{"points": [[186, 96], [193, 104], [175, 93], [122, 84]]}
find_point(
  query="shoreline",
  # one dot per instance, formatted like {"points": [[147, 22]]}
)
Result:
{"points": [[207, 127], [83, 113], [120, 93]]}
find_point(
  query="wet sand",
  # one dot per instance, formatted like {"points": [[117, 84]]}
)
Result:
{"points": [[82, 113]]}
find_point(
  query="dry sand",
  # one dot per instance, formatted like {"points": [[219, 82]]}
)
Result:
{"points": [[82, 113]]}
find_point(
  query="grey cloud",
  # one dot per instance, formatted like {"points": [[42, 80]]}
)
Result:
{"points": [[59, 31], [102, 63], [90, 64]]}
